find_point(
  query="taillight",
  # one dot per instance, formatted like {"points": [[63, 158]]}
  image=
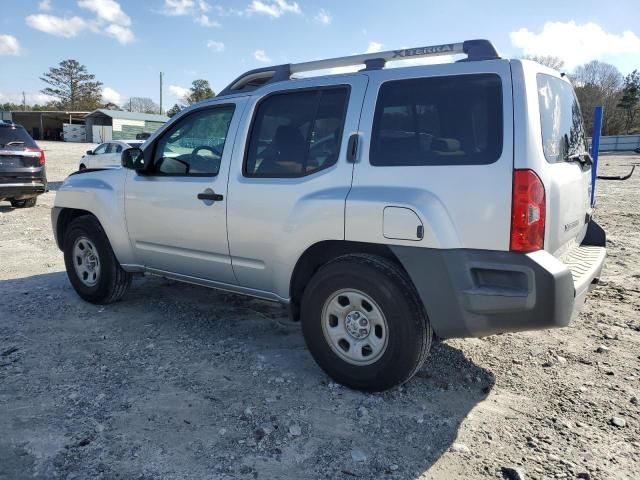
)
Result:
{"points": [[527, 212], [41, 159]]}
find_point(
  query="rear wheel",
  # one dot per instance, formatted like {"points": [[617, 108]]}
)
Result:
{"points": [[28, 203], [91, 264], [364, 323]]}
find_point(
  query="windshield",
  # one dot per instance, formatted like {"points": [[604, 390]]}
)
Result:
{"points": [[15, 138], [561, 122]]}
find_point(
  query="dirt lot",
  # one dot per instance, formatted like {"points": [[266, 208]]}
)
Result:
{"points": [[181, 382]]}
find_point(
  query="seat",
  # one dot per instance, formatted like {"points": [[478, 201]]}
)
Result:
{"points": [[286, 156]]}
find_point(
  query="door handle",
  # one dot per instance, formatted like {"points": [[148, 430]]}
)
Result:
{"points": [[210, 195], [352, 148]]}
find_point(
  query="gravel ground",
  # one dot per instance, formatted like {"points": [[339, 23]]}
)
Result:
{"points": [[182, 382]]}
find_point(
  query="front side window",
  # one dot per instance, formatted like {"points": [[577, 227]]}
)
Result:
{"points": [[100, 149], [194, 145], [561, 121], [452, 120], [297, 133]]}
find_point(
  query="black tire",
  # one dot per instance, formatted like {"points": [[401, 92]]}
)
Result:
{"points": [[112, 282], [28, 203], [409, 331], [82, 167]]}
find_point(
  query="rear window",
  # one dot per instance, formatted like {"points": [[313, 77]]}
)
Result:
{"points": [[453, 120], [560, 119], [15, 138]]}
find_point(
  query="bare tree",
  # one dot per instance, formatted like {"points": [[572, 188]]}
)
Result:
{"points": [[142, 105], [598, 83], [547, 60]]}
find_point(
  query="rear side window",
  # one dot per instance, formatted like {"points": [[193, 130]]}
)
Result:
{"points": [[453, 120], [560, 119], [297, 133], [15, 138]]}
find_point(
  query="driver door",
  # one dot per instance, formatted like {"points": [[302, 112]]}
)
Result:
{"points": [[176, 211]]}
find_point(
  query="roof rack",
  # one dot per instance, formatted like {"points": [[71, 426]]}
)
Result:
{"points": [[474, 49]]}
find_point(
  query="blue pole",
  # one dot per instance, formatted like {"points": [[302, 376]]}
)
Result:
{"points": [[595, 147]]}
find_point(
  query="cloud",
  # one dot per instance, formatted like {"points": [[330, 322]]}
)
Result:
{"points": [[261, 56], [109, 95], [215, 46], [197, 9], [575, 44], [122, 34], [9, 45], [107, 10], [67, 27], [205, 21], [31, 98], [109, 20], [177, 8], [274, 8], [44, 5], [323, 17], [178, 92]]}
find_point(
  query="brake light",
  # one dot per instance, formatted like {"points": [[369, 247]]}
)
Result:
{"points": [[41, 159], [527, 212]]}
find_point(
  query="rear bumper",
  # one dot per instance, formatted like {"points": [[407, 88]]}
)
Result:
{"points": [[22, 183], [20, 191], [474, 293]]}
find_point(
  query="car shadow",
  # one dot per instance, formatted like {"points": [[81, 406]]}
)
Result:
{"points": [[182, 381]]}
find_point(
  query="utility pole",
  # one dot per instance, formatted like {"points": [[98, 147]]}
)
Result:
{"points": [[161, 93], [24, 102]]}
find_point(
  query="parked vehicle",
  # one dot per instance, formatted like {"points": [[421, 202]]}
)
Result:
{"points": [[107, 155], [23, 174], [383, 206]]}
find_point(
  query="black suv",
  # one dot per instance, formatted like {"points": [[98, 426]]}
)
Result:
{"points": [[22, 171]]}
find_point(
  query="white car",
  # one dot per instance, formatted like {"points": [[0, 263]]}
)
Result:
{"points": [[107, 155]]}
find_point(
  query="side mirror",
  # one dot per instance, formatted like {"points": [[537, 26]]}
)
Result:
{"points": [[133, 158], [90, 152]]}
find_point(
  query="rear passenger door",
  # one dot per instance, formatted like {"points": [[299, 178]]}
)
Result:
{"points": [[289, 181], [436, 158]]}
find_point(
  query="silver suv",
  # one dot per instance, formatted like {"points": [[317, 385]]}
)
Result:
{"points": [[383, 207]]}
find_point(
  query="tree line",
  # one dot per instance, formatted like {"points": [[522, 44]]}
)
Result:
{"points": [[73, 88]]}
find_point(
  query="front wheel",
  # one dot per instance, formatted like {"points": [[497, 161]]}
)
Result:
{"points": [[364, 323], [91, 265]]}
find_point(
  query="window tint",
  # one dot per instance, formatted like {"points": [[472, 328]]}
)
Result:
{"points": [[116, 148], [453, 120], [194, 145], [560, 119], [12, 138], [100, 149], [297, 133]]}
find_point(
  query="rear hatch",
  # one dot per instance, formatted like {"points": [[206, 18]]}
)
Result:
{"points": [[568, 173], [19, 153]]}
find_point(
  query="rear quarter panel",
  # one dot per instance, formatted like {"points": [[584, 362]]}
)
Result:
{"points": [[460, 206]]}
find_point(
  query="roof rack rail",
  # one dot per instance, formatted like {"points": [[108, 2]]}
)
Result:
{"points": [[474, 49]]}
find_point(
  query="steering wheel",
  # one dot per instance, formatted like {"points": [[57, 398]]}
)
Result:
{"points": [[213, 150]]}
